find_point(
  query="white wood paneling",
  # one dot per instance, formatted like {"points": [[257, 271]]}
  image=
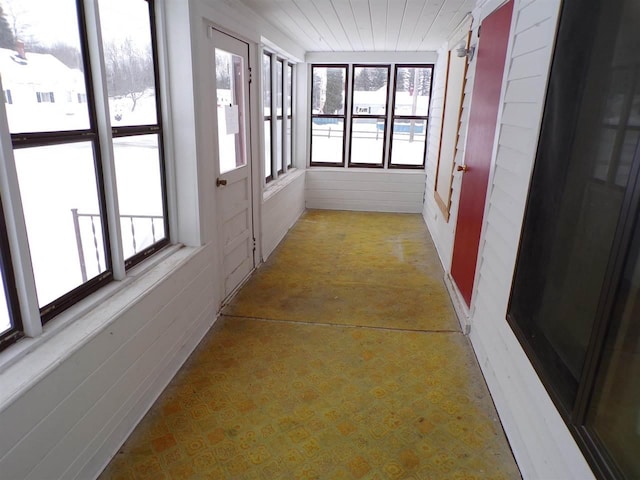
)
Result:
{"points": [[541, 443], [281, 209], [365, 190], [364, 25], [62, 421]]}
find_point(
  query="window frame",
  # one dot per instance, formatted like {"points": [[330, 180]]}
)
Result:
{"points": [[99, 134], [290, 90], [16, 332], [91, 134], [287, 160], [322, 115], [356, 116], [395, 117], [151, 129], [269, 118]]}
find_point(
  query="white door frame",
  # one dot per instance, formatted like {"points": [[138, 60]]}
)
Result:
{"points": [[253, 149]]}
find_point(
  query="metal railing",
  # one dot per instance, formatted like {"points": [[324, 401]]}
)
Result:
{"points": [[95, 224]]}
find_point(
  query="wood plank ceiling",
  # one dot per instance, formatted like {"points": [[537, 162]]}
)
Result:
{"points": [[364, 25]]}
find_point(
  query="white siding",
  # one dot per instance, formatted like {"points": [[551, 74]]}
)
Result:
{"points": [[443, 231], [541, 443], [77, 392], [365, 190], [282, 207], [68, 422]]}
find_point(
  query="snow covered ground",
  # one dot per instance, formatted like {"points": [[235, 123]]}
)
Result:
{"points": [[367, 143], [54, 180]]}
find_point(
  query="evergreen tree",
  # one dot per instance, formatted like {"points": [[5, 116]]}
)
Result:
{"points": [[362, 82], [7, 39], [317, 88], [335, 90]]}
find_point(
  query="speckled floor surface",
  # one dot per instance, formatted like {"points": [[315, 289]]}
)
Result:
{"points": [[340, 359]]}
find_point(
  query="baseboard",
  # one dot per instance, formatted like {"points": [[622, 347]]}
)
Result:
{"points": [[459, 305], [109, 442]]}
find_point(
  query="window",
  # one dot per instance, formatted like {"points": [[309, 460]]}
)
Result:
{"points": [[10, 320], [279, 110], [410, 116], [277, 85], [289, 142], [266, 105], [134, 104], [328, 99], [369, 119], [575, 295], [59, 154], [371, 143], [45, 97]]}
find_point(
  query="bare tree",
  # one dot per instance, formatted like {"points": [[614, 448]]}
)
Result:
{"points": [[14, 12], [129, 70]]}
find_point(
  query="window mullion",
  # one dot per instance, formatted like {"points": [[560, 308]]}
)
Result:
{"points": [[99, 80], [390, 114], [348, 115], [17, 233]]}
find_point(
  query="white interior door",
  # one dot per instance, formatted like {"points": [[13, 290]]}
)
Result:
{"points": [[233, 183]]}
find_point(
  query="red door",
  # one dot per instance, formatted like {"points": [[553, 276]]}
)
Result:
{"points": [[492, 51]]}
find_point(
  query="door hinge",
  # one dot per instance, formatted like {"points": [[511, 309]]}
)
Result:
{"points": [[250, 75], [254, 244]]}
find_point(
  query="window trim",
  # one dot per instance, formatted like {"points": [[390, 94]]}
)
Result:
{"points": [[394, 117], [317, 115]]}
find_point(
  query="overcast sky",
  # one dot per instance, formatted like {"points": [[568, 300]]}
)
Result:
{"points": [[48, 21]]}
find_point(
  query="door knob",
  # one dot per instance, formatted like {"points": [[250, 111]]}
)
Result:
{"points": [[220, 181], [462, 168]]}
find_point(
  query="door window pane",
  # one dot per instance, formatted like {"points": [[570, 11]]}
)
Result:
{"points": [[126, 34], [44, 74], [62, 214], [367, 141], [409, 141], [230, 93], [139, 183], [413, 87]]}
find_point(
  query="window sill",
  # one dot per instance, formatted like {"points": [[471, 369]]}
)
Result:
{"points": [[274, 187], [371, 170], [31, 359]]}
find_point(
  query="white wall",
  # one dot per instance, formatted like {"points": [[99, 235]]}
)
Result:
{"points": [[282, 205], [543, 446], [71, 397], [365, 190]]}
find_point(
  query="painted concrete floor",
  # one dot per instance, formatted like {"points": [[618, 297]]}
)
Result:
{"points": [[341, 358]]}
